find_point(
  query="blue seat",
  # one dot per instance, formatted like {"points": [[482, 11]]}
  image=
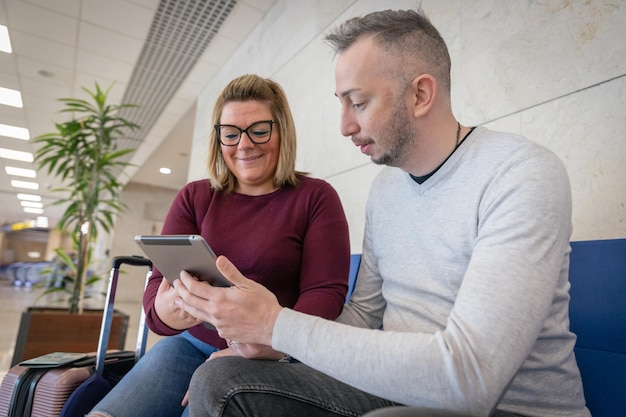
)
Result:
{"points": [[355, 263], [598, 318]]}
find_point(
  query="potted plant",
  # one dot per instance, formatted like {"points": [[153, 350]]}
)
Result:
{"points": [[83, 153]]}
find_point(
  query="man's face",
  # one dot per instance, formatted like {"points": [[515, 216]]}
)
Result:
{"points": [[373, 111]]}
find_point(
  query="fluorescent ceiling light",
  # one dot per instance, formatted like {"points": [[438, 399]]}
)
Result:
{"points": [[34, 204], [5, 42], [16, 155], [11, 97], [25, 184], [33, 210], [21, 172], [14, 132], [165, 170], [28, 197]]}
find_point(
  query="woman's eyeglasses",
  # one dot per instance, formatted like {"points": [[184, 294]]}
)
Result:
{"points": [[259, 132]]}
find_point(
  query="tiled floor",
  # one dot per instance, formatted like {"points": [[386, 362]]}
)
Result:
{"points": [[12, 302], [15, 300]]}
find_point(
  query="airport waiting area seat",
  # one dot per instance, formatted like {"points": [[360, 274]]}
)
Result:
{"points": [[598, 318]]}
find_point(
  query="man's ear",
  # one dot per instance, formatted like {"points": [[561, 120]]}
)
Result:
{"points": [[423, 92]]}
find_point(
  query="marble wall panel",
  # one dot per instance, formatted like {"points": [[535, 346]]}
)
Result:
{"points": [[587, 131], [516, 54], [353, 188]]}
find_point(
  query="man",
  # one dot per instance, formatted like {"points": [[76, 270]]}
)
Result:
{"points": [[465, 263]]}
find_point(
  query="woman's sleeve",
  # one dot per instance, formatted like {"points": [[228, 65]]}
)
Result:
{"points": [[325, 257]]}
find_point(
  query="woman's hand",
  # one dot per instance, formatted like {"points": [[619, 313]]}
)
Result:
{"points": [[169, 310], [248, 351]]}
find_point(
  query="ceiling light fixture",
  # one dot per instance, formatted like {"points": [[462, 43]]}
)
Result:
{"points": [[28, 197], [20, 172], [14, 132], [33, 210], [24, 184], [11, 97], [165, 170], [5, 41], [16, 155], [31, 204]]}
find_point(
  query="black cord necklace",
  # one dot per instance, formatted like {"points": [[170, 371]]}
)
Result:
{"points": [[423, 178]]}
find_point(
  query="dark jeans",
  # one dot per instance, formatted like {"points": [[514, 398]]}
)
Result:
{"points": [[236, 387], [232, 386], [424, 412]]}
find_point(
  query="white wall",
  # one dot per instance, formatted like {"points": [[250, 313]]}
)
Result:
{"points": [[553, 71]]}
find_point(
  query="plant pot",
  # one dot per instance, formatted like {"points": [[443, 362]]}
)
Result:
{"points": [[43, 330]]}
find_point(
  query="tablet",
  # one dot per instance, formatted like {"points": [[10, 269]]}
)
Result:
{"points": [[174, 253]]}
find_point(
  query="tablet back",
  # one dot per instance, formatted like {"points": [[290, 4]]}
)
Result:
{"points": [[174, 253]]}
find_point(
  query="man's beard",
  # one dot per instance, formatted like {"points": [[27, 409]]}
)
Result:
{"points": [[397, 137]]}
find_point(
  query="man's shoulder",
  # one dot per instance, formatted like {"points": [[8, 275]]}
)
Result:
{"points": [[491, 149], [507, 142], [388, 173]]}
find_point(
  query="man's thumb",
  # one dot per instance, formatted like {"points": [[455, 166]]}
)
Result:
{"points": [[230, 271]]}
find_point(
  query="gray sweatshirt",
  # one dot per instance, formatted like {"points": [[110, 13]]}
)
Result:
{"points": [[467, 274]]}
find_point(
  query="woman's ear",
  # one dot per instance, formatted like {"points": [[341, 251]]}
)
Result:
{"points": [[423, 92]]}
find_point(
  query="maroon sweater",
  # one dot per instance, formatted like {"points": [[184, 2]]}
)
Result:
{"points": [[294, 241]]}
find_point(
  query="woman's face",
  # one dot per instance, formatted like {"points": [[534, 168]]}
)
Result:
{"points": [[252, 164]]}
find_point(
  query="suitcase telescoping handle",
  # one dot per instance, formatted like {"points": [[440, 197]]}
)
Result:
{"points": [[131, 260], [107, 317]]}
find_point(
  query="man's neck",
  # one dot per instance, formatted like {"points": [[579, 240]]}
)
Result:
{"points": [[421, 179], [432, 149]]}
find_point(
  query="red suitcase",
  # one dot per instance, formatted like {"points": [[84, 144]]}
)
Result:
{"points": [[41, 387]]}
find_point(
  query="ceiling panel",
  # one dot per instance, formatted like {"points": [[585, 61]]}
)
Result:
{"points": [[123, 17], [42, 22], [108, 43]]}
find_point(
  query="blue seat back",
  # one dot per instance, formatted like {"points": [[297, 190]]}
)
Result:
{"points": [[598, 318], [355, 263]]}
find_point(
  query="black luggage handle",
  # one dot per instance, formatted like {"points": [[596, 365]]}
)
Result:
{"points": [[134, 260], [107, 317]]}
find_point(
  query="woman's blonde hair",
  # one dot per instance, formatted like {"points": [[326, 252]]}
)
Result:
{"points": [[251, 87]]}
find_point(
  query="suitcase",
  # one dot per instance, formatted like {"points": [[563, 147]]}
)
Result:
{"points": [[68, 384]]}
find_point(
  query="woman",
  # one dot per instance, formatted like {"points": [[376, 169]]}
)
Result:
{"points": [[281, 228]]}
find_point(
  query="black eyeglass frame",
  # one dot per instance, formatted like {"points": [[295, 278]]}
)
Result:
{"points": [[242, 131]]}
